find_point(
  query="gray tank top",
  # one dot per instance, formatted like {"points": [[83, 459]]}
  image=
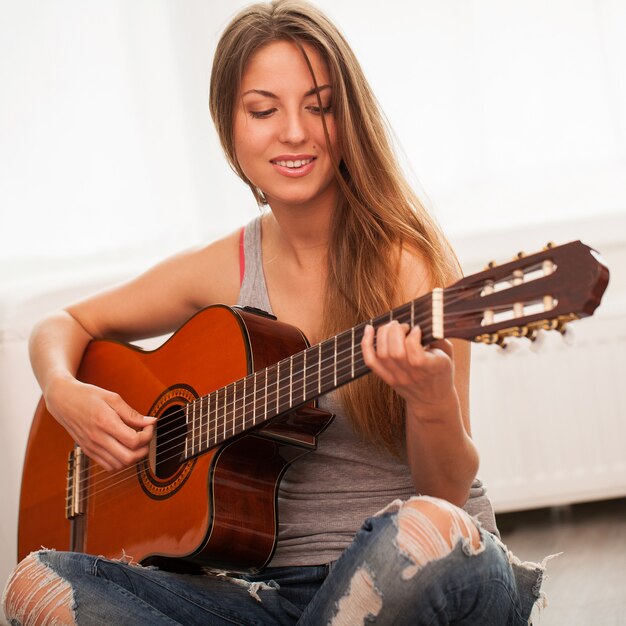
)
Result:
{"points": [[325, 496]]}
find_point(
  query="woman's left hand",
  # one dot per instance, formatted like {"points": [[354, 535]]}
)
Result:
{"points": [[424, 377]]}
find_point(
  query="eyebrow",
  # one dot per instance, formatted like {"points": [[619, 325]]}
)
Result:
{"points": [[269, 94]]}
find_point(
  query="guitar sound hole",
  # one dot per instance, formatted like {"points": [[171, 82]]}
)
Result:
{"points": [[170, 442]]}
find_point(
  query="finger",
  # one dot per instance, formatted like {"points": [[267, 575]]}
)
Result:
{"points": [[396, 341], [390, 340], [128, 415], [416, 352], [129, 427], [125, 457], [102, 456], [367, 345], [371, 356], [445, 346]]}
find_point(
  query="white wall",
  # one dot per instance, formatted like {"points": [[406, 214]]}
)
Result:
{"points": [[509, 114]]}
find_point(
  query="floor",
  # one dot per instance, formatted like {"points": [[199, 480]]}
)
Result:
{"points": [[586, 585]]}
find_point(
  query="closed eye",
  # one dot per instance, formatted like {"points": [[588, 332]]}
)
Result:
{"points": [[261, 114], [316, 110]]}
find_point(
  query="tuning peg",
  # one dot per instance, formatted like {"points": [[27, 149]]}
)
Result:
{"points": [[501, 341], [520, 255], [550, 325], [488, 338], [490, 265], [510, 347], [569, 336], [531, 334], [538, 340], [549, 245]]}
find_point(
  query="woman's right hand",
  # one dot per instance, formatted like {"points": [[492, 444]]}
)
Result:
{"points": [[108, 430]]}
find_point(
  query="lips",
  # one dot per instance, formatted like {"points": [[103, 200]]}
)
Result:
{"points": [[294, 164]]}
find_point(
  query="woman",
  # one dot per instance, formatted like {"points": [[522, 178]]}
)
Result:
{"points": [[344, 240]]}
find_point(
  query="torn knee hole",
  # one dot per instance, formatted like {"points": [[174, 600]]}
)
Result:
{"points": [[429, 528], [37, 596]]}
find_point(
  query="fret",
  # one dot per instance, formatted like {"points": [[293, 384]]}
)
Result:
{"points": [[272, 385], [203, 424], [352, 354], [206, 404], [254, 400], [265, 397], [194, 438], [304, 375], [210, 422], [243, 403], [218, 421], [296, 378], [260, 396], [291, 381], [325, 359], [335, 362], [319, 368], [277, 388], [344, 348], [236, 401], [232, 409], [187, 455], [224, 408]]}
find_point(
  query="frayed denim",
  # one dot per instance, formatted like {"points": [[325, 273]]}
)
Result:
{"points": [[399, 570]]}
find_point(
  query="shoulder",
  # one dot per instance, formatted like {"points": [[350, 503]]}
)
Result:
{"points": [[161, 298], [213, 270], [415, 277]]}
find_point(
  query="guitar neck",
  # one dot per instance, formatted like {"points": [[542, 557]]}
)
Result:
{"points": [[295, 381], [544, 290]]}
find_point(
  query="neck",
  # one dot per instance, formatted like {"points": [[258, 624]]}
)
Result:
{"points": [[301, 235]]}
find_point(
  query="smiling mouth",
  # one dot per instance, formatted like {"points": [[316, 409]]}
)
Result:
{"points": [[293, 164]]}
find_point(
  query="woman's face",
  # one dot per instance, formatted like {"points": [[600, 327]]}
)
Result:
{"points": [[278, 132]]}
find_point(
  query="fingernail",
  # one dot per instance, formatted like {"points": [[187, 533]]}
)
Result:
{"points": [[149, 417]]}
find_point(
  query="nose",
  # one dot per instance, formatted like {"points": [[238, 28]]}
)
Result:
{"points": [[294, 130]]}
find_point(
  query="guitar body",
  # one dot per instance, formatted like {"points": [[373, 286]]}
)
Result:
{"points": [[217, 508]]}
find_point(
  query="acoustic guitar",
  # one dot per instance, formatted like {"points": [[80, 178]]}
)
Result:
{"points": [[233, 390]]}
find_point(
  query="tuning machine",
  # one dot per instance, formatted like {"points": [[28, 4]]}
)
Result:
{"points": [[532, 334], [490, 339]]}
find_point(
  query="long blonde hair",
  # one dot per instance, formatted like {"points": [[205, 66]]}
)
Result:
{"points": [[378, 214]]}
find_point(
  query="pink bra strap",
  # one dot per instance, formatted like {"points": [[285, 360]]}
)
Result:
{"points": [[242, 257]]}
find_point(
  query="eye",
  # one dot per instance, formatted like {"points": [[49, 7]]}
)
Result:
{"points": [[261, 114], [316, 110]]}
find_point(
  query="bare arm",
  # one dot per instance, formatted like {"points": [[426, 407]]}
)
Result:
{"points": [[434, 383], [109, 430]]}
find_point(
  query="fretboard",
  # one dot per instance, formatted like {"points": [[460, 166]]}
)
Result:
{"points": [[290, 383]]}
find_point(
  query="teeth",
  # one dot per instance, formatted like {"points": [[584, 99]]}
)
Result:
{"points": [[297, 163]]}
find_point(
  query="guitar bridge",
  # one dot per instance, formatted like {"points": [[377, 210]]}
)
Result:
{"points": [[74, 499]]}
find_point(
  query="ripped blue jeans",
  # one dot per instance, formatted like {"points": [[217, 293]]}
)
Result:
{"points": [[400, 569]]}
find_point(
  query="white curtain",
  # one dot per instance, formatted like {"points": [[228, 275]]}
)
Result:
{"points": [[508, 113]]}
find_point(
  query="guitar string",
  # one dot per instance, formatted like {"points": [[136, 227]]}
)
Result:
{"points": [[228, 408], [327, 372], [231, 398], [294, 390], [272, 400]]}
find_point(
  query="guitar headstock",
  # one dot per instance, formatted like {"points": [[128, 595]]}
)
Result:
{"points": [[544, 290]]}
